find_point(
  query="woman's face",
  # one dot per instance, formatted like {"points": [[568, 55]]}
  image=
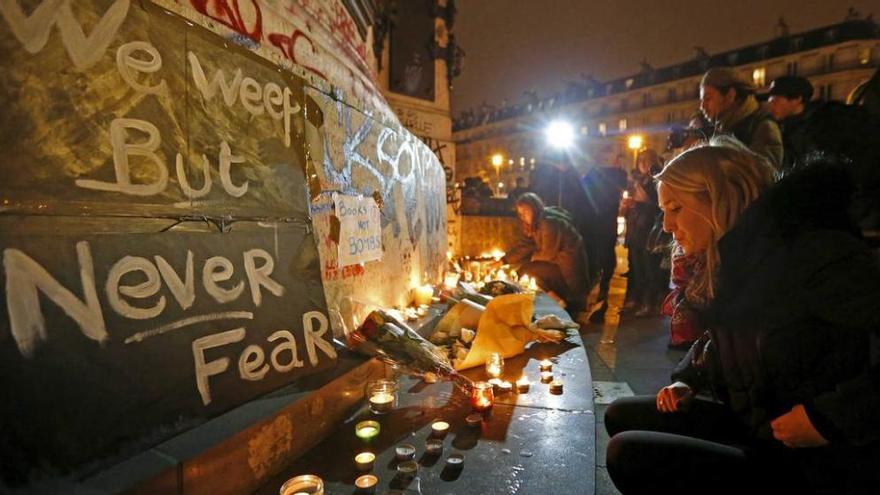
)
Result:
{"points": [[525, 214], [644, 164], [687, 218]]}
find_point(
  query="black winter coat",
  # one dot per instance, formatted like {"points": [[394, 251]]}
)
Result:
{"points": [[795, 320]]}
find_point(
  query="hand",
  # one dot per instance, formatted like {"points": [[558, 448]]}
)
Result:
{"points": [[795, 430], [672, 397]]}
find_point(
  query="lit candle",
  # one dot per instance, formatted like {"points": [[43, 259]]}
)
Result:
{"points": [[365, 461], [545, 365], [304, 484], [440, 428], [423, 295], [482, 397], [522, 385], [367, 430], [496, 384], [494, 365], [556, 387], [546, 376], [502, 275], [381, 402], [422, 310], [366, 483], [505, 387]]}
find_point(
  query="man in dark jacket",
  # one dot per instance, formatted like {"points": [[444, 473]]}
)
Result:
{"points": [[727, 98]]}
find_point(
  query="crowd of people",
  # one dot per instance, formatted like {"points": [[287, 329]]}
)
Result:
{"points": [[751, 238]]}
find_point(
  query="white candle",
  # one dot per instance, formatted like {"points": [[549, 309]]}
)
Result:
{"points": [[556, 387], [522, 385], [545, 365], [546, 376]]}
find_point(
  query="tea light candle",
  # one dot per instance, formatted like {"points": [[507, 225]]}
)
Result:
{"points": [[494, 365], [546, 376], [365, 461], [455, 461], [545, 365], [556, 387], [366, 483], [381, 402], [423, 294], [482, 397], [304, 484], [440, 428], [405, 452], [367, 430], [505, 387], [474, 419], [422, 310], [408, 468], [434, 446], [522, 385]]}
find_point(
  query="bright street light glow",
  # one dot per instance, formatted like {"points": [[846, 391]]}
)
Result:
{"points": [[635, 142], [560, 134], [497, 159]]}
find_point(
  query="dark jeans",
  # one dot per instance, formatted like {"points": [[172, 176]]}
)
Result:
{"points": [[606, 257], [702, 450]]}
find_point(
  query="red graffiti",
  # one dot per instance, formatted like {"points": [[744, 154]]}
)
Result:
{"points": [[229, 13], [288, 45]]}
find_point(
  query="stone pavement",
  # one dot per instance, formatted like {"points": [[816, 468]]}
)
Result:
{"points": [[624, 350]]}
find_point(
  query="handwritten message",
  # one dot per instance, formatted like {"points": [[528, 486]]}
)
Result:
{"points": [[360, 230]]}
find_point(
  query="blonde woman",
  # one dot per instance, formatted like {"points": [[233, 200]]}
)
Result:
{"points": [[784, 394]]}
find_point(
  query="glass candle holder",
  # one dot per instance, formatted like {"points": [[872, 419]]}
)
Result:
{"points": [[307, 483], [367, 430], [366, 483], [364, 461], [482, 397], [494, 365], [382, 396]]}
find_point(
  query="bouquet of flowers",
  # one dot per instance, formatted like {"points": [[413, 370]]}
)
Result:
{"points": [[384, 336]]}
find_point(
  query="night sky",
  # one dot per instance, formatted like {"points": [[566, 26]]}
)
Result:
{"points": [[516, 45]]}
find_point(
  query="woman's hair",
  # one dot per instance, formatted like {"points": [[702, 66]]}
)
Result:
{"points": [[652, 158], [725, 175], [533, 202]]}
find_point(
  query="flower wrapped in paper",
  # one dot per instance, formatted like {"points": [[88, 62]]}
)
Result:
{"points": [[384, 336]]}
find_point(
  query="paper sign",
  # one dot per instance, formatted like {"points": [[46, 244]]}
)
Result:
{"points": [[360, 230]]}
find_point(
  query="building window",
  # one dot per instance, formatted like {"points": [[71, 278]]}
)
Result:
{"points": [[646, 100], [732, 57], [621, 125], [629, 83], [603, 129], [829, 62], [671, 95], [759, 75], [669, 118], [864, 55], [791, 68], [522, 161]]}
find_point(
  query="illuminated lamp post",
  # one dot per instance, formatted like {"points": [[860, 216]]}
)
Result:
{"points": [[497, 162]]}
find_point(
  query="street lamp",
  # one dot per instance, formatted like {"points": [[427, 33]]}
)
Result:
{"points": [[559, 134]]}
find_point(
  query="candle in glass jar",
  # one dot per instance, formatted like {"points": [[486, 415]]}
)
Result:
{"points": [[423, 295], [494, 365], [381, 402], [482, 397], [522, 385], [365, 460], [367, 430], [545, 365]]}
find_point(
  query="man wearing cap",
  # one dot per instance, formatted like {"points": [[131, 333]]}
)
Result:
{"points": [[727, 99], [789, 103]]}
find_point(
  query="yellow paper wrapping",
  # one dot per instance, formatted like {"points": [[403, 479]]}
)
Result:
{"points": [[503, 328]]}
